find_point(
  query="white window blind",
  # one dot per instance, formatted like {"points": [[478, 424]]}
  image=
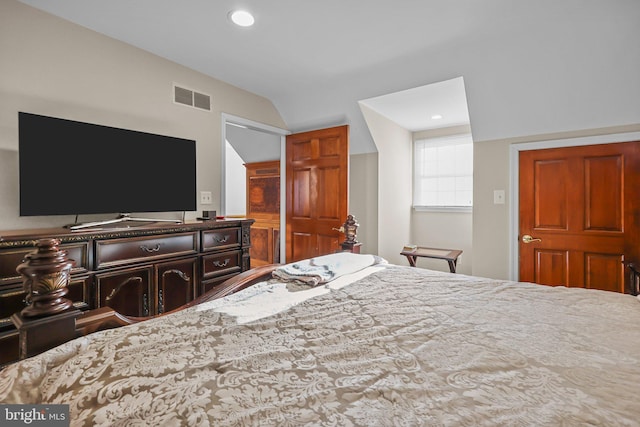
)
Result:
{"points": [[443, 172]]}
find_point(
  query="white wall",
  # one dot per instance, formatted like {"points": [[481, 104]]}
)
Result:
{"points": [[363, 198], [447, 230], [235, 182], [52, 67], [394, 184], [490, 221]]}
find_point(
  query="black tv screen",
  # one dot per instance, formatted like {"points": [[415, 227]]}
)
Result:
{"points": [[69, 167]]}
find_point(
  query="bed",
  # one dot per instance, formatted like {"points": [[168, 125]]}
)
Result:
{"points": [[363, 343]]}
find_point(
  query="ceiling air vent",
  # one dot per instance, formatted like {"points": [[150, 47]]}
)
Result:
{"points": [[191, 98]]}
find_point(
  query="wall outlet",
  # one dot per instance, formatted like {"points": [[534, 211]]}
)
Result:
{"points": [[498, 197], [205, 198]]}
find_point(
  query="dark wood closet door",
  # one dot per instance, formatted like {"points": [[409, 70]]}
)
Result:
{"points": [[581, 209], [128, 291], [176, 283], [317, 191]]}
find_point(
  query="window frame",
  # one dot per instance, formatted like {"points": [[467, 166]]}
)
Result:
{"points": [[457, 139]]}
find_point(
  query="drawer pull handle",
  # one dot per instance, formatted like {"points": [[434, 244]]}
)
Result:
{"points": [[149, 250], [181, 274], [225, 239], [137, 279], [221, 264]]}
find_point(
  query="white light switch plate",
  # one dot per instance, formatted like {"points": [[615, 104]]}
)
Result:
{"points": [[498, 197]]}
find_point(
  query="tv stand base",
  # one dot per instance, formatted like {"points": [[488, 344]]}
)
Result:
{"points": [[121, 218]]}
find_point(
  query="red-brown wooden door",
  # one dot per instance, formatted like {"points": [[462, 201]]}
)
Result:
{"points": [[582, 203], [317, 180]]}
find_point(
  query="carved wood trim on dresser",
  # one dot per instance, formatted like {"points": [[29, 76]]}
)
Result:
{"points": [[137, 271]]}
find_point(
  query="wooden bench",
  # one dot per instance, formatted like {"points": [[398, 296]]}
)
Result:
{"points": [[450, 255]]}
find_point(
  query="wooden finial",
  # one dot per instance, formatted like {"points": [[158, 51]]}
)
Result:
{"points": [[46, 273]]}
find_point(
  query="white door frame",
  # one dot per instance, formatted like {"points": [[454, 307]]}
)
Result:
{"points": [[261, 127], [514, 174]]}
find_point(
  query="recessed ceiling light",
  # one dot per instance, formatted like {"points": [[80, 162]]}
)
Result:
{"points": [[242, 18], [436, 117]]}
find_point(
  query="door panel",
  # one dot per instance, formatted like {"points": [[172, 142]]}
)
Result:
{"points": [[605, 272], [317, 191], [301, 148], [261, 245], [176, 283], [551, 267], [301, 193], [128, 292], [603, 187], [580, 205], [302, 246], [327, 243], [326, 206], [551, 194]]}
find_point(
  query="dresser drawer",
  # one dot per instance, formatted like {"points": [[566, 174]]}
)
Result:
{"points": [[13, 299], [10, 259], [114, 252], [221, 239], [9, 342], [208, 285], [221, 263]]}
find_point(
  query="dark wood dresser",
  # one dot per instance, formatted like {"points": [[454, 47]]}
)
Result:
{"points": [[137, 271]]}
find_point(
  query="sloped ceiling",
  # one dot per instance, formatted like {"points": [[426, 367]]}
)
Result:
{"points": [[316, 59], [253, 146], [442, 104]]}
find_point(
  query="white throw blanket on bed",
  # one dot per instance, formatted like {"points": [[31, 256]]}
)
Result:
{"points": [[273, 297], [325, 268]]}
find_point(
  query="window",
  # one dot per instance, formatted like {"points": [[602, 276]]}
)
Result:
{"points": [[443, 172]]}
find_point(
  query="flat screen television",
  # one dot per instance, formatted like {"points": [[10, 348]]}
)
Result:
{"points": [[72, 168]]}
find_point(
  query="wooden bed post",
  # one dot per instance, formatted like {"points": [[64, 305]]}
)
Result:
{"points": [[49, 319]]}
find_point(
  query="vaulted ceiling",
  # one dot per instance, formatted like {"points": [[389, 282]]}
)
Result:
{"points": [[316, 59]]}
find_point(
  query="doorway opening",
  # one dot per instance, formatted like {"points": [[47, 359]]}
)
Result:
{"points": [[246, 143]]}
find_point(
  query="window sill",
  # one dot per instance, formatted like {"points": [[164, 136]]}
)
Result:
{"points": [[463, 209]]}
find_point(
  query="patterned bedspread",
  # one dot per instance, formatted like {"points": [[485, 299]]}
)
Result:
{"points": [[403, 346]]}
